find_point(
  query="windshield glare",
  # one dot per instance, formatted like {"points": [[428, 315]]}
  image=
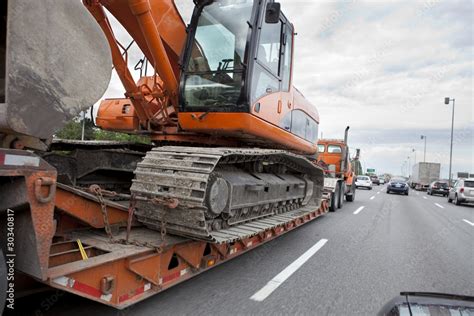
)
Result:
{"points": [[214, 71]]}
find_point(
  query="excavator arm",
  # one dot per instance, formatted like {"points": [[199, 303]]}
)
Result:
{"points": [[159, 31]]}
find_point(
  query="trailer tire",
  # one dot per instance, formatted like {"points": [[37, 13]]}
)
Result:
{"points": [[350, 197], [3, 282], [334, 198], [340, 200]]}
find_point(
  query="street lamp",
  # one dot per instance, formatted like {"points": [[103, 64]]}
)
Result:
{"points": [[424, 152], [409, 166], [414, 151], [447, 100]]}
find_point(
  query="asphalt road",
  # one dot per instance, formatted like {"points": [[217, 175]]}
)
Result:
{"points": [[394, 243]]}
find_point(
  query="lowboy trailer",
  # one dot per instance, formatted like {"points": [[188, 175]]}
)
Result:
{"points": [[80, 242]]}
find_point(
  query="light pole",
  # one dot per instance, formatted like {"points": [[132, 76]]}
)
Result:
{"points": [[424, 152], [447, 100], [414, 151], [409, 165]]}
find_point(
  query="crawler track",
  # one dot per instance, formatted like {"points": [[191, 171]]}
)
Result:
{"points": [[225, 194]]}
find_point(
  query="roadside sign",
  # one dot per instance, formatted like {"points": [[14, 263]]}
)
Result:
{"points": [[370, 170]]}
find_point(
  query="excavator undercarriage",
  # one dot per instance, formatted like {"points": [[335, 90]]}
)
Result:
{"points": [[216, 194], [212, 194]]}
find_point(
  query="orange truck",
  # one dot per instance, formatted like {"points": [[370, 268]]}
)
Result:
{"points": [[333, 156], [229, 167]]}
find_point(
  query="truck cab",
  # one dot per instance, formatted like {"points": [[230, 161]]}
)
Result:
{"points": [[333, 157]]}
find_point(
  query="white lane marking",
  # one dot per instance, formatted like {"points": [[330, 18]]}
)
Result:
{"points": [[425, 198], [358, 210], [470, 223], [372, 197], [440, 206], [281, 277], [378, 192]]}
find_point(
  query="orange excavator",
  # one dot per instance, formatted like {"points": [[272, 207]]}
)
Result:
{"points": [[232, 160], [220, 97]]}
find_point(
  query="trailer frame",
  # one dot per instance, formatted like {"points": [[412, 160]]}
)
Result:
{"points": [[76, 254]]}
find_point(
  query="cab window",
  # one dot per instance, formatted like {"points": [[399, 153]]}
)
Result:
{"points": [[304, 126], [286, 71], [266, 73], [268, 51], [334, 149], [321, 148]]}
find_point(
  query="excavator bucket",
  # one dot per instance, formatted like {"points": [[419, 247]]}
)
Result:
{"points": [[54, 63]]}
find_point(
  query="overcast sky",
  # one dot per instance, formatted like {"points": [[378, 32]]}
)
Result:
{"points": [[384, 68]]}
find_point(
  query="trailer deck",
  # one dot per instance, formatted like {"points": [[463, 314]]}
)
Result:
{"points": [[120, 273]]}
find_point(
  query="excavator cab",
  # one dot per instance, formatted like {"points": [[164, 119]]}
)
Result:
{"points": [[236, 77], [227, 65]]}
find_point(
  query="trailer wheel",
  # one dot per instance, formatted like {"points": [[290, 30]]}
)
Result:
{"points": [[340, 200], [350, 197], [3, 282], [334, 199]]}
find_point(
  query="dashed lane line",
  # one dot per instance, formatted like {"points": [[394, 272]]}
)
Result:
{"points": [[372, 197], [425, 198], [438, 205], [281, 277], [358, 210], [470, 223]]}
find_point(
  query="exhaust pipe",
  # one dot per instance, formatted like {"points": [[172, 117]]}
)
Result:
{"points": [[54, 62], [346, 134]]}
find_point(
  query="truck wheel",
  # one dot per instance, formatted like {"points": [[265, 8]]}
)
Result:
{"points": [[3, 282], [340, 201], [334, 199]]}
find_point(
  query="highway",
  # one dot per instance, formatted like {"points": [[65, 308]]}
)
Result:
{"points": [[349, 262]]}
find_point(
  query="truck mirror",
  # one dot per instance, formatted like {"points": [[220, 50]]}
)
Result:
{"points": [[446, 100], [272, 14]]}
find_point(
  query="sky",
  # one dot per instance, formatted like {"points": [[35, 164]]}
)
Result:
{"points": [[383, 68]]}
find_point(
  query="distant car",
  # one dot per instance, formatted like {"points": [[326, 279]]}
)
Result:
{"points": [[381, 180], [363, 182], [462, 192], [438, 187], [398, 185], [375, 180]]}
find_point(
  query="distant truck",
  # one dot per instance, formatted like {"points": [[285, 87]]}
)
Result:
{"points": [[423, 174], [339, 175]]}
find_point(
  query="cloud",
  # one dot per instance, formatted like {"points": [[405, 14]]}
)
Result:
{"points": [[384, 68]]}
